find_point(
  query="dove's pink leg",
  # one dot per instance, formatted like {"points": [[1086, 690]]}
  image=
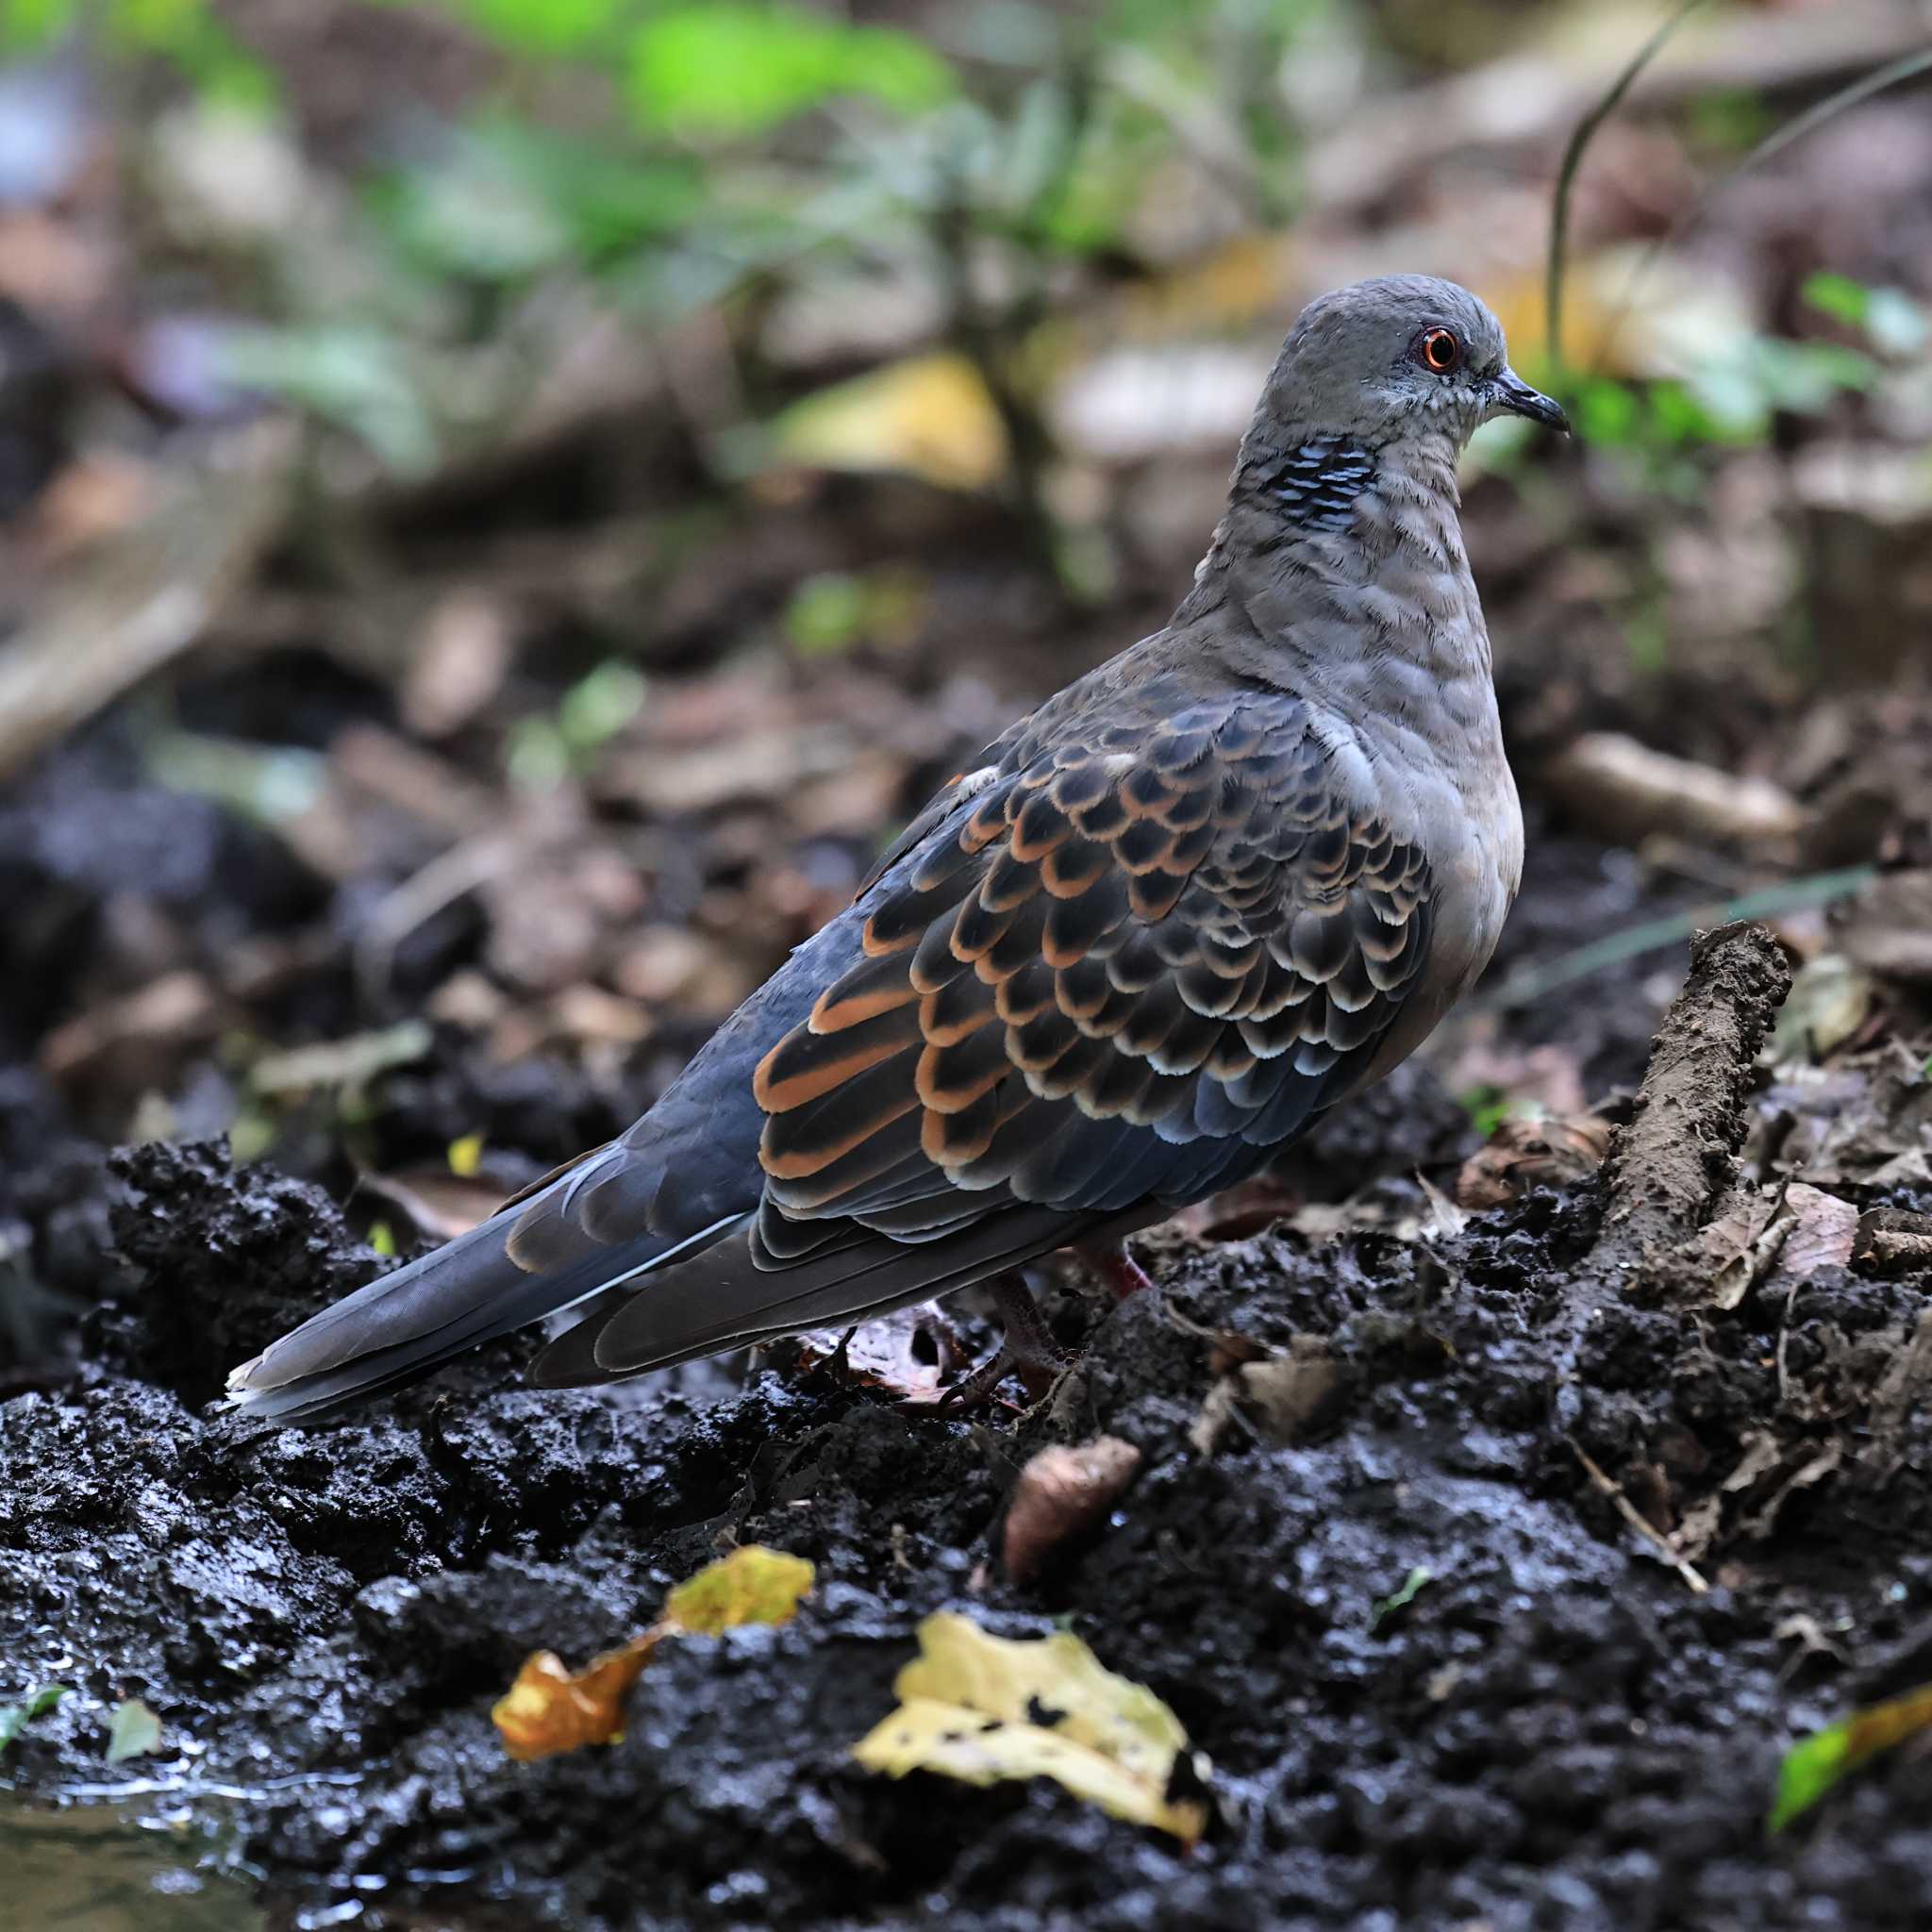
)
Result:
{"points": [[1116, 1267]]}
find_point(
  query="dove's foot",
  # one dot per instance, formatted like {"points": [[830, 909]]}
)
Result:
{"points": [[1026, 1350]]}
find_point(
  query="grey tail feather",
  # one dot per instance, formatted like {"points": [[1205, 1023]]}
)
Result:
{"points": [[400, 1327], [721, 1299]]}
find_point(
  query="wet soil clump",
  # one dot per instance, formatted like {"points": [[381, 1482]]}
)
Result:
{"points": [[1638, 1544]]}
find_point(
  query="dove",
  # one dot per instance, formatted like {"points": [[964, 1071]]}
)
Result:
{"points": [[1151, 934]]}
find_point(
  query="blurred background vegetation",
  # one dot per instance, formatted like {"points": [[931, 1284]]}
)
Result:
{"points": [[503, 504]]}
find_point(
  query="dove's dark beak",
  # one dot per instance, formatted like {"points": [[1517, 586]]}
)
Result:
{"points": [[1518, 399]]}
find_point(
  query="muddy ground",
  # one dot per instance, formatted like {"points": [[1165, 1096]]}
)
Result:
{"points": [[1570, 1725], [487, 793]]}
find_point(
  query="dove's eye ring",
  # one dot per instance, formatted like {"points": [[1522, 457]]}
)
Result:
{"points": [[1438, 350]]}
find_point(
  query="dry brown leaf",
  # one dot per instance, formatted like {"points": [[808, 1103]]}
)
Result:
{"points": [[1537, 1081], [1282, 1395], [459, 665], [1822, 1232], [1525, 1153], [1873, 1129], [1887, 929], [177, 1008], [907, 1352], [1063, 1490], [438, 1204], [1735, 1248]]}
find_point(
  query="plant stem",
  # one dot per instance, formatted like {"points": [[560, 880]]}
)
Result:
{"points": [[1580, 138]]}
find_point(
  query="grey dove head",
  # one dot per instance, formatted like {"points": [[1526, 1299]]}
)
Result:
{"points": [[1401, 356]]}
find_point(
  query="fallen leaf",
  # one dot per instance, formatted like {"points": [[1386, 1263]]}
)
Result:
{"points": [[1524, 1154], [1282, 1395], [1289, 1394], [350, 1062], [551, 1708], [750, 1586], [1875, 1130], [984, 1709], [460, 664], [134, 1731], [1063, 1489], [1886, 929], [1822, 1232], [440, 1205], [1531, 1082], [1736, 1246], [176, 1011], [905, 1352], [1828, 1004], [929, 415], [1900, 1390], [1811, 1768]]}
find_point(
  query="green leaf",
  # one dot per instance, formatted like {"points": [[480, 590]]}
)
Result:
{"points": [[599, 706], [1838, 296], [14, 1718], [135, 1731], [541, 26], [1413, 1585], [504, 200], [1812, 1767], [1488, 1108], [739, 69], [826, 612], [353, 378]]}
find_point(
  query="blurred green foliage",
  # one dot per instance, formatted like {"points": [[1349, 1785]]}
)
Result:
{"points": [[186, 33], [726, 69], [545, 750], [669, 155], [14, 1718], [681, 153], [1732, 392]]}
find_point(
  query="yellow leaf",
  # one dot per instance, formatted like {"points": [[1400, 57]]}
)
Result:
{"points": [[135, 1731], [550, 1708], [750, 1586], [929, 415], [466, 1156], [981, 1708]]}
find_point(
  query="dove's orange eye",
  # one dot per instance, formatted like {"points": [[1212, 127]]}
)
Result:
{"points": [[1436, 349]]}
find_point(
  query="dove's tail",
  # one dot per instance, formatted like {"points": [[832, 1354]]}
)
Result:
{"points": [[467, 1292]]}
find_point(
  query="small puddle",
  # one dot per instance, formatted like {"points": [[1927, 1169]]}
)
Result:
{"points": [[118, 1867]]}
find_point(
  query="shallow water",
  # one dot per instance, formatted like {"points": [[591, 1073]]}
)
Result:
{"points": [[115, 1868]]}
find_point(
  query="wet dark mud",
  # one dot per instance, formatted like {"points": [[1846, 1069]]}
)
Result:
{"points": [[1565, 1726]]}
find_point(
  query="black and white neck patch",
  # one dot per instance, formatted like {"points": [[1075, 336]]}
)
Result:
{"points": [[1317, 483]]}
